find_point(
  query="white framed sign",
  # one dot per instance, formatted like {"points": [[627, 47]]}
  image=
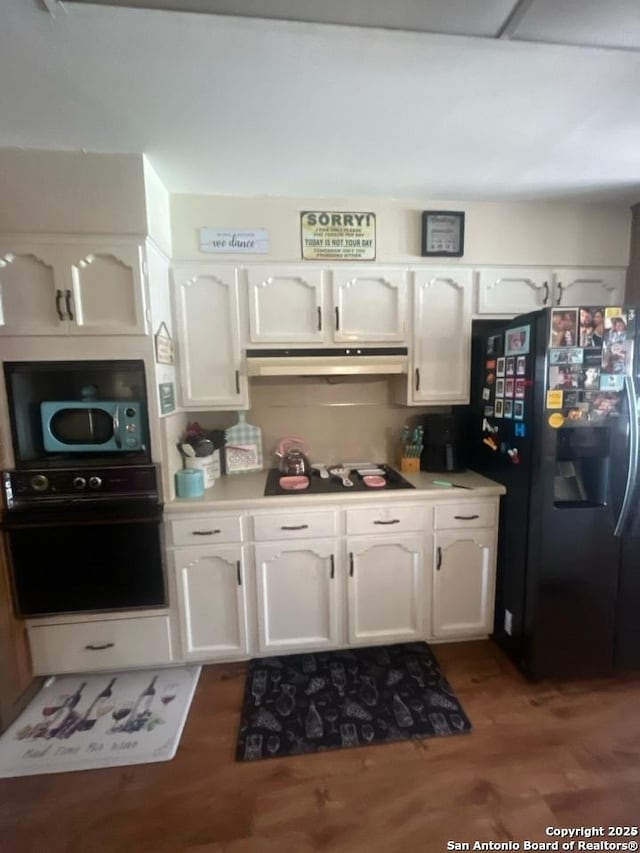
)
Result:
{"points": [[338, 235], [237, 241]]}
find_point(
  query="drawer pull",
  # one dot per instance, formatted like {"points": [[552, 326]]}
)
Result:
{"points": [[98, 647], [351, 564], [333, 567], [438, 558], [392, 521], [238, 573], [294, 527], [466, 517], [204, 532]]}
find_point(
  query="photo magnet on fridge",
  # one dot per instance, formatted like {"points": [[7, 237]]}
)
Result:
{"points": [[508, 388], [500, 388], [499, 408], [518, 412], [521, 365], [517, 341], [519, 389], [486, 393], [511, 366], [500, 367], [508, 408], [564, 327]]}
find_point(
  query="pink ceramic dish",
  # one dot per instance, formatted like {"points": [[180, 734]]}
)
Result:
{"points": [[374, 481], [294, 483]]}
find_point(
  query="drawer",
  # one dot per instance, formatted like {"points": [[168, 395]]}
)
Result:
{"points": [[385, 519], [296, 525], [108, 644], [466, 514], [206, 529]]}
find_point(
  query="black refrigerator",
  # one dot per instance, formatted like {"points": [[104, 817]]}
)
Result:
{"points": [[553, 416]]}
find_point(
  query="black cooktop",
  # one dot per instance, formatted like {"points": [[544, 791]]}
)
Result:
{"points": [[319, 486]]}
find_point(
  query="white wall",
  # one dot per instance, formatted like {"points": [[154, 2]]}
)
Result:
{"points": [[548, 233], [157, 208], [57, 192]]}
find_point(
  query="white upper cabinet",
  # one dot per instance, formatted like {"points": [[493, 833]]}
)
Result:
{"points": [[518, 290], [207, 317], [297, 304], [285, 304], [71, 289], [441, 336], [588, 287], [369, 304]]}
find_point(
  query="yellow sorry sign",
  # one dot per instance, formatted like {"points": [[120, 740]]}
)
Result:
{"points": [[338, 235]]}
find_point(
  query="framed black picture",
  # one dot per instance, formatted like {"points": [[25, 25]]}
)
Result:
{"points": [[442, 234]]}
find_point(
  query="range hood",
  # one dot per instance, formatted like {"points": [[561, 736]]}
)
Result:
{"points": [[346, 361]]}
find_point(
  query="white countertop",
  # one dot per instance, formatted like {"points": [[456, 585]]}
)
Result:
{"points": [[244, 491]]}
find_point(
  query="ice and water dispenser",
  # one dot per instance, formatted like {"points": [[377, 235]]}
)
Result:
{"points": [[582, 466]]}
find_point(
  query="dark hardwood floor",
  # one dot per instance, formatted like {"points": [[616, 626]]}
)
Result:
{"points": [[546, 754]]}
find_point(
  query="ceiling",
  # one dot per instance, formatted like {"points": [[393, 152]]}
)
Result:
{"points": [[356, 98]]}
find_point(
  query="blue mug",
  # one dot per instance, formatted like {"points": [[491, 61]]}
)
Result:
{"points": [[190, 483]]}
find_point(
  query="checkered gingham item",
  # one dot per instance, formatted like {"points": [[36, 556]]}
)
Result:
{"points": [[244, 446]]}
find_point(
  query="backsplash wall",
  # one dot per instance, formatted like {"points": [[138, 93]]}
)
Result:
{"points": [[340, 418]]}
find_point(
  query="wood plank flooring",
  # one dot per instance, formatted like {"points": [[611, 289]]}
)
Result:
{"points": [[545, 754]]}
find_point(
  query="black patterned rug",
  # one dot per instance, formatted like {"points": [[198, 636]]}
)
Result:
{"points": [[353, 697]]}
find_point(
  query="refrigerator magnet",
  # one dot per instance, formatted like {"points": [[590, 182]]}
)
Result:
{"points": [[564, 327], [500, 367], [488, 411], [520, 430], [521, 365], [508, 388], [508, 408], [517, 341], [518, 410], [499, 408], [511, 366], [519, 389], [554, 399], [555, 420], [611, 383], [486, 394], [500, 388]]}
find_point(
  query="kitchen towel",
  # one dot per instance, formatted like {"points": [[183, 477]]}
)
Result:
{"points": [[84, 722], [351, 697]]}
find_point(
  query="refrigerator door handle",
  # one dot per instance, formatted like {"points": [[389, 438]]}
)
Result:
{"points": [[632, 402]]}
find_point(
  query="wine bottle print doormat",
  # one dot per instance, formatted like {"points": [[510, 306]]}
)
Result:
{"points": [[82, 722], [354, 697]]}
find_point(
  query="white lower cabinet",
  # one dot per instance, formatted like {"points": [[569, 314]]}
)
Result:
{"points": [[463, 583], [329, 576], [385, 589], [298, 595], [101, 644], [211, 587]]}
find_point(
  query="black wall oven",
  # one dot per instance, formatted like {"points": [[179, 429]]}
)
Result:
{"points": [[84, 540]]}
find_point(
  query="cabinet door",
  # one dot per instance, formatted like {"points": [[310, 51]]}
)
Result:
{"points": [[32, 291], [385, 589], [107, 290], [297, 586], [441, 336], [463, 584], [589, 287], [212, 600], [369, 304], [206, 302], [514, 290], [285, 304]]}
